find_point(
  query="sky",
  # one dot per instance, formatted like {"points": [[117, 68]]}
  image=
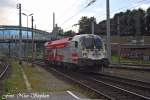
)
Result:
{"points": [[67, 12]]}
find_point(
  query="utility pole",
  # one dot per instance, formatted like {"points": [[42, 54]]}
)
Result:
{"points": [[3, 35], [108, 31], [92, 26], [53, 20], [9, 48], [138, 30], [118, 26], [32, 40], [20, 33], [139, 38], [118, 32], [35, 44], [26, 47]]}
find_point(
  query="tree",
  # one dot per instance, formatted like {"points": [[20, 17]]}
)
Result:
{"points": [[69, 33], [147, 22], [85, 25], [138, 18], [101, 28], [125, 23], [131, 22]]}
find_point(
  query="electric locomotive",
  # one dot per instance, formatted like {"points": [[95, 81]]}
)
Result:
{"points": [[84, 52]]}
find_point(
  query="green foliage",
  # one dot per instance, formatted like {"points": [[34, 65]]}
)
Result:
{"points": [[85, 25], [131, 22], [69, 33], [128, 23], [14, 83]]}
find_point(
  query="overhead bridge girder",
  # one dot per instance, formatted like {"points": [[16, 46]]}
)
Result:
{"points": [[11, 33]]}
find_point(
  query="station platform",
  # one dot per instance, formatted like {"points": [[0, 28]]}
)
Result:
{"points": [[66, 95]]}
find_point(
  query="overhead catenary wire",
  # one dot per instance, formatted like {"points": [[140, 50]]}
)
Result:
{"points": [[72, 7], [90, 3], [114, 11], [134, 6], [126, 7]]}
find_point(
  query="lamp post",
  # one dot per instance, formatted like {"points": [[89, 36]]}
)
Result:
{"points": [[27, 21], [27, 25], [92, 26], [32, 40], [108, 30]]}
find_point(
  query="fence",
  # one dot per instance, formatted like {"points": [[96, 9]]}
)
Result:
{"points": [[131, 53]]}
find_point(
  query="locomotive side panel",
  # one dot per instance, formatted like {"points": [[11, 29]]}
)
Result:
{"points": [[74, 53], [85, 51], [65, 52]]}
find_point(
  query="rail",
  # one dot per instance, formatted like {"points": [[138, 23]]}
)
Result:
{"points": [[100, 87], [5, 66]]}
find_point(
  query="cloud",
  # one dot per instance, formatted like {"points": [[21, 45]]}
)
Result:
{"points": [[7, 3], [144, 6], [3, 16], [6, 7], [43, 11], [99, 9]]}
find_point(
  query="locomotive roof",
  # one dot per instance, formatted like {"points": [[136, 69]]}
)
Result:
{"points": [[63, 42], [77, 37], [57, 43]]}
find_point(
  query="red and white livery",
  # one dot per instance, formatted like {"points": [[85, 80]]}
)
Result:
{"points": [[85, 52]]}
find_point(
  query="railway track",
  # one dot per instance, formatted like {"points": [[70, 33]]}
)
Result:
{"points": [[3, 69], [108, 87], [138, 88], [129, 81], [131, 67], [120, 66]]}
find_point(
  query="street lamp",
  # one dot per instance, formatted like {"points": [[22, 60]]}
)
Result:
{"points": [[27, 21], [27, 28]]}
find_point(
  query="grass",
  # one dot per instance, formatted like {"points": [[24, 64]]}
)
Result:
{"points": [[38, 76], [14, 83], [41, 81], [115, 58], [44, 81], [134, 61]]}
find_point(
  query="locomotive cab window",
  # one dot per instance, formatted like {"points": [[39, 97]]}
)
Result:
{"points": [[98, 43], [91, 42], [76, 44]]}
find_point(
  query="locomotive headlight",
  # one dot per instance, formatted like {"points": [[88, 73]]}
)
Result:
{"points": [[84, 54]]}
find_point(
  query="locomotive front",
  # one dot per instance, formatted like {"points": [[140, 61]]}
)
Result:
{"points": [[92, 52]]}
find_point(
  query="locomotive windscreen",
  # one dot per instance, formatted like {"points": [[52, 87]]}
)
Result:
{"points": [[91, 42]]}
